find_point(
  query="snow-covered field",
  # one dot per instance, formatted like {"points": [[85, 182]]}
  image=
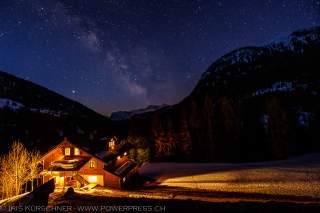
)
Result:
{"points": [[299, 176]]}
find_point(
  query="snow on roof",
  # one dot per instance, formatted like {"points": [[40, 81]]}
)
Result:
{"points": [[68, 164]]}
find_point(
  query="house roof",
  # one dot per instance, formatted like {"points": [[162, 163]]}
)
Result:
{"points": [[77, 146], [124, 169], [120, 167], [73, 163], [69, 164]]}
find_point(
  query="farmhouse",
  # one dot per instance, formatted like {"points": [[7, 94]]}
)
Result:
{"points": [[72, 165]]}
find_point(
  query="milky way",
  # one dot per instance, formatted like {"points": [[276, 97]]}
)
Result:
{"points": [[124, 54]]}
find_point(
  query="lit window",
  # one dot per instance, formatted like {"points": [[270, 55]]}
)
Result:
{"points": [[59, 180], [111, 144], [92, 164], [76, 151], [92, 179], [67, 151], [56, 179]]}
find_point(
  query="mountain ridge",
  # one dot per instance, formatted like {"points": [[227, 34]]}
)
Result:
{"points": [[41, 118], [35, 96], [252, 104], [124, 115], [247, 106]]}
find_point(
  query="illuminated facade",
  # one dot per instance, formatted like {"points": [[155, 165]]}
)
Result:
{"points": [[70, 165]]}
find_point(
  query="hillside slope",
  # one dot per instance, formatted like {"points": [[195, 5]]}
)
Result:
{"points": [[254, 103], [40, 118]]}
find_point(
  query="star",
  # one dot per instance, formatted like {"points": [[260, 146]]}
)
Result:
{"points": [[135, 54]]}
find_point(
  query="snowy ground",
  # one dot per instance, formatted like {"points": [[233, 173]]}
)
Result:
{"points": [[298, 176], [288, 186], [23, 198]]}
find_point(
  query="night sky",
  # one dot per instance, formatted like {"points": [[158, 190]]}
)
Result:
{"points": [[125, 54]]}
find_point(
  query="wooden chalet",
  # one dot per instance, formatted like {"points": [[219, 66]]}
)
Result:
{"points": [[72, 165]]}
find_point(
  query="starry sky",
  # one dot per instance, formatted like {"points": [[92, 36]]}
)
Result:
{"points": [[115, 55]]}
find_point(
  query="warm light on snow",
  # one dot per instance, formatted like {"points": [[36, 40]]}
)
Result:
{"points": [[297, 176]]}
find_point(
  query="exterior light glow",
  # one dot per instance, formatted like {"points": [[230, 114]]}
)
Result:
{"points": [[92, 179]]}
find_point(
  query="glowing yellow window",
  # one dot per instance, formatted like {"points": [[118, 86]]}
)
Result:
{"points": [[92, 164], [112, 144], [92, 179], [76, 151], [67, 151], [59, 180]]}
